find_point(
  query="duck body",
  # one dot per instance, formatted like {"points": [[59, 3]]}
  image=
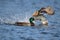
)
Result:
{"points": [[24, 24]]}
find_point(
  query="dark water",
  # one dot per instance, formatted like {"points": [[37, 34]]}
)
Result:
{"points": [[21, 10]]}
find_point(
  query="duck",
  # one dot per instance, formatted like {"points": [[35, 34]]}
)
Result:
{"points": [[30, 23]]}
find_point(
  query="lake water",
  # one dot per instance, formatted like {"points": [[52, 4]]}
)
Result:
{"points": [[12, 11]]}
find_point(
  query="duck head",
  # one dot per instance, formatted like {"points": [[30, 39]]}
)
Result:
{"points": [[31, 21]]}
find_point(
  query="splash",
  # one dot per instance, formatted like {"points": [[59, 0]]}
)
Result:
{"points": [[12, 19]]}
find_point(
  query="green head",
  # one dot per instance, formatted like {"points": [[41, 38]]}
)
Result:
{"points": [[31, 20]]}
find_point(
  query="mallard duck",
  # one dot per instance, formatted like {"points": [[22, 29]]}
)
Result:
{"points": [[25, 23]]}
